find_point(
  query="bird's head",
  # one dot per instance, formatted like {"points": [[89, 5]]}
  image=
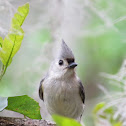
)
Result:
{"points": [[64, 65]]}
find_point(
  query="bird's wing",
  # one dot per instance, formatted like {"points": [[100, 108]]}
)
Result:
{"points": [[81, 91], [41, 90]]}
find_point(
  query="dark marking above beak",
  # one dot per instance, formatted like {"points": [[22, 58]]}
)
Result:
{"points": [[72, 65]]}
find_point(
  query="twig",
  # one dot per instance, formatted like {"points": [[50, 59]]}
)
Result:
{"points": [[8, 121]]}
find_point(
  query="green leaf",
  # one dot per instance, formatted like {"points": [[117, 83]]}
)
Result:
{"points": [[20, 16], [1, 41], [118, 124], [24, 105], [109, 110], [12, 41], [98, 107], [107, 114], [63, 121], [11, 45]]}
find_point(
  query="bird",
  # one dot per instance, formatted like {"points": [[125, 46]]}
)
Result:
{"points": [[61, 89]]}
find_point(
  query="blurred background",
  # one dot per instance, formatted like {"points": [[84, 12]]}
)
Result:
{"points": [[95, 30]]}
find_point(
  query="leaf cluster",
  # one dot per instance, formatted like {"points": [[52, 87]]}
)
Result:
{"points": [[12, 42]]}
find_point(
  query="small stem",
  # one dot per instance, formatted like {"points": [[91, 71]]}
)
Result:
{"points": [[2, 72]]}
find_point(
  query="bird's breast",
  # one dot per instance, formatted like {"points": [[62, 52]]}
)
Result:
{"points": [[62, 98]]}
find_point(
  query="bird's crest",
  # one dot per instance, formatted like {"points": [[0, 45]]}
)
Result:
{"points": [[65, 51]]}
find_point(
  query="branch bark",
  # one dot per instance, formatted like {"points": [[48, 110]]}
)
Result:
{"points": [[8, 121]]}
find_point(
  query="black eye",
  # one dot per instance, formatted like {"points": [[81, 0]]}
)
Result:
{"points": [[60, 62]]}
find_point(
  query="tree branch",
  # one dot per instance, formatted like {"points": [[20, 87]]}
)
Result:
{"points": [[8, 121]]}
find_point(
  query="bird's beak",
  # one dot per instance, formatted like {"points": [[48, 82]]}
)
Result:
{"points": [[72, 65]]}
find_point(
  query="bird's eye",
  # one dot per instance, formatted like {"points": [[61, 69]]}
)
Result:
{"points": [[60, 62]]}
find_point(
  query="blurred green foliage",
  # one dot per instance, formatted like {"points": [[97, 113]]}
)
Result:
{"points": [[103, 42], [63, 121], [102, 48], [103, 113], [41, 36], [105, 51]]}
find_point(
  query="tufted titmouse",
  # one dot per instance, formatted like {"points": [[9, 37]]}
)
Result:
{"points": [[61, 89]]}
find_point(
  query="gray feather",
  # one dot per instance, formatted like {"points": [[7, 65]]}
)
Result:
{"points": [[81, 91], [65, 52], [41, 90]]}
